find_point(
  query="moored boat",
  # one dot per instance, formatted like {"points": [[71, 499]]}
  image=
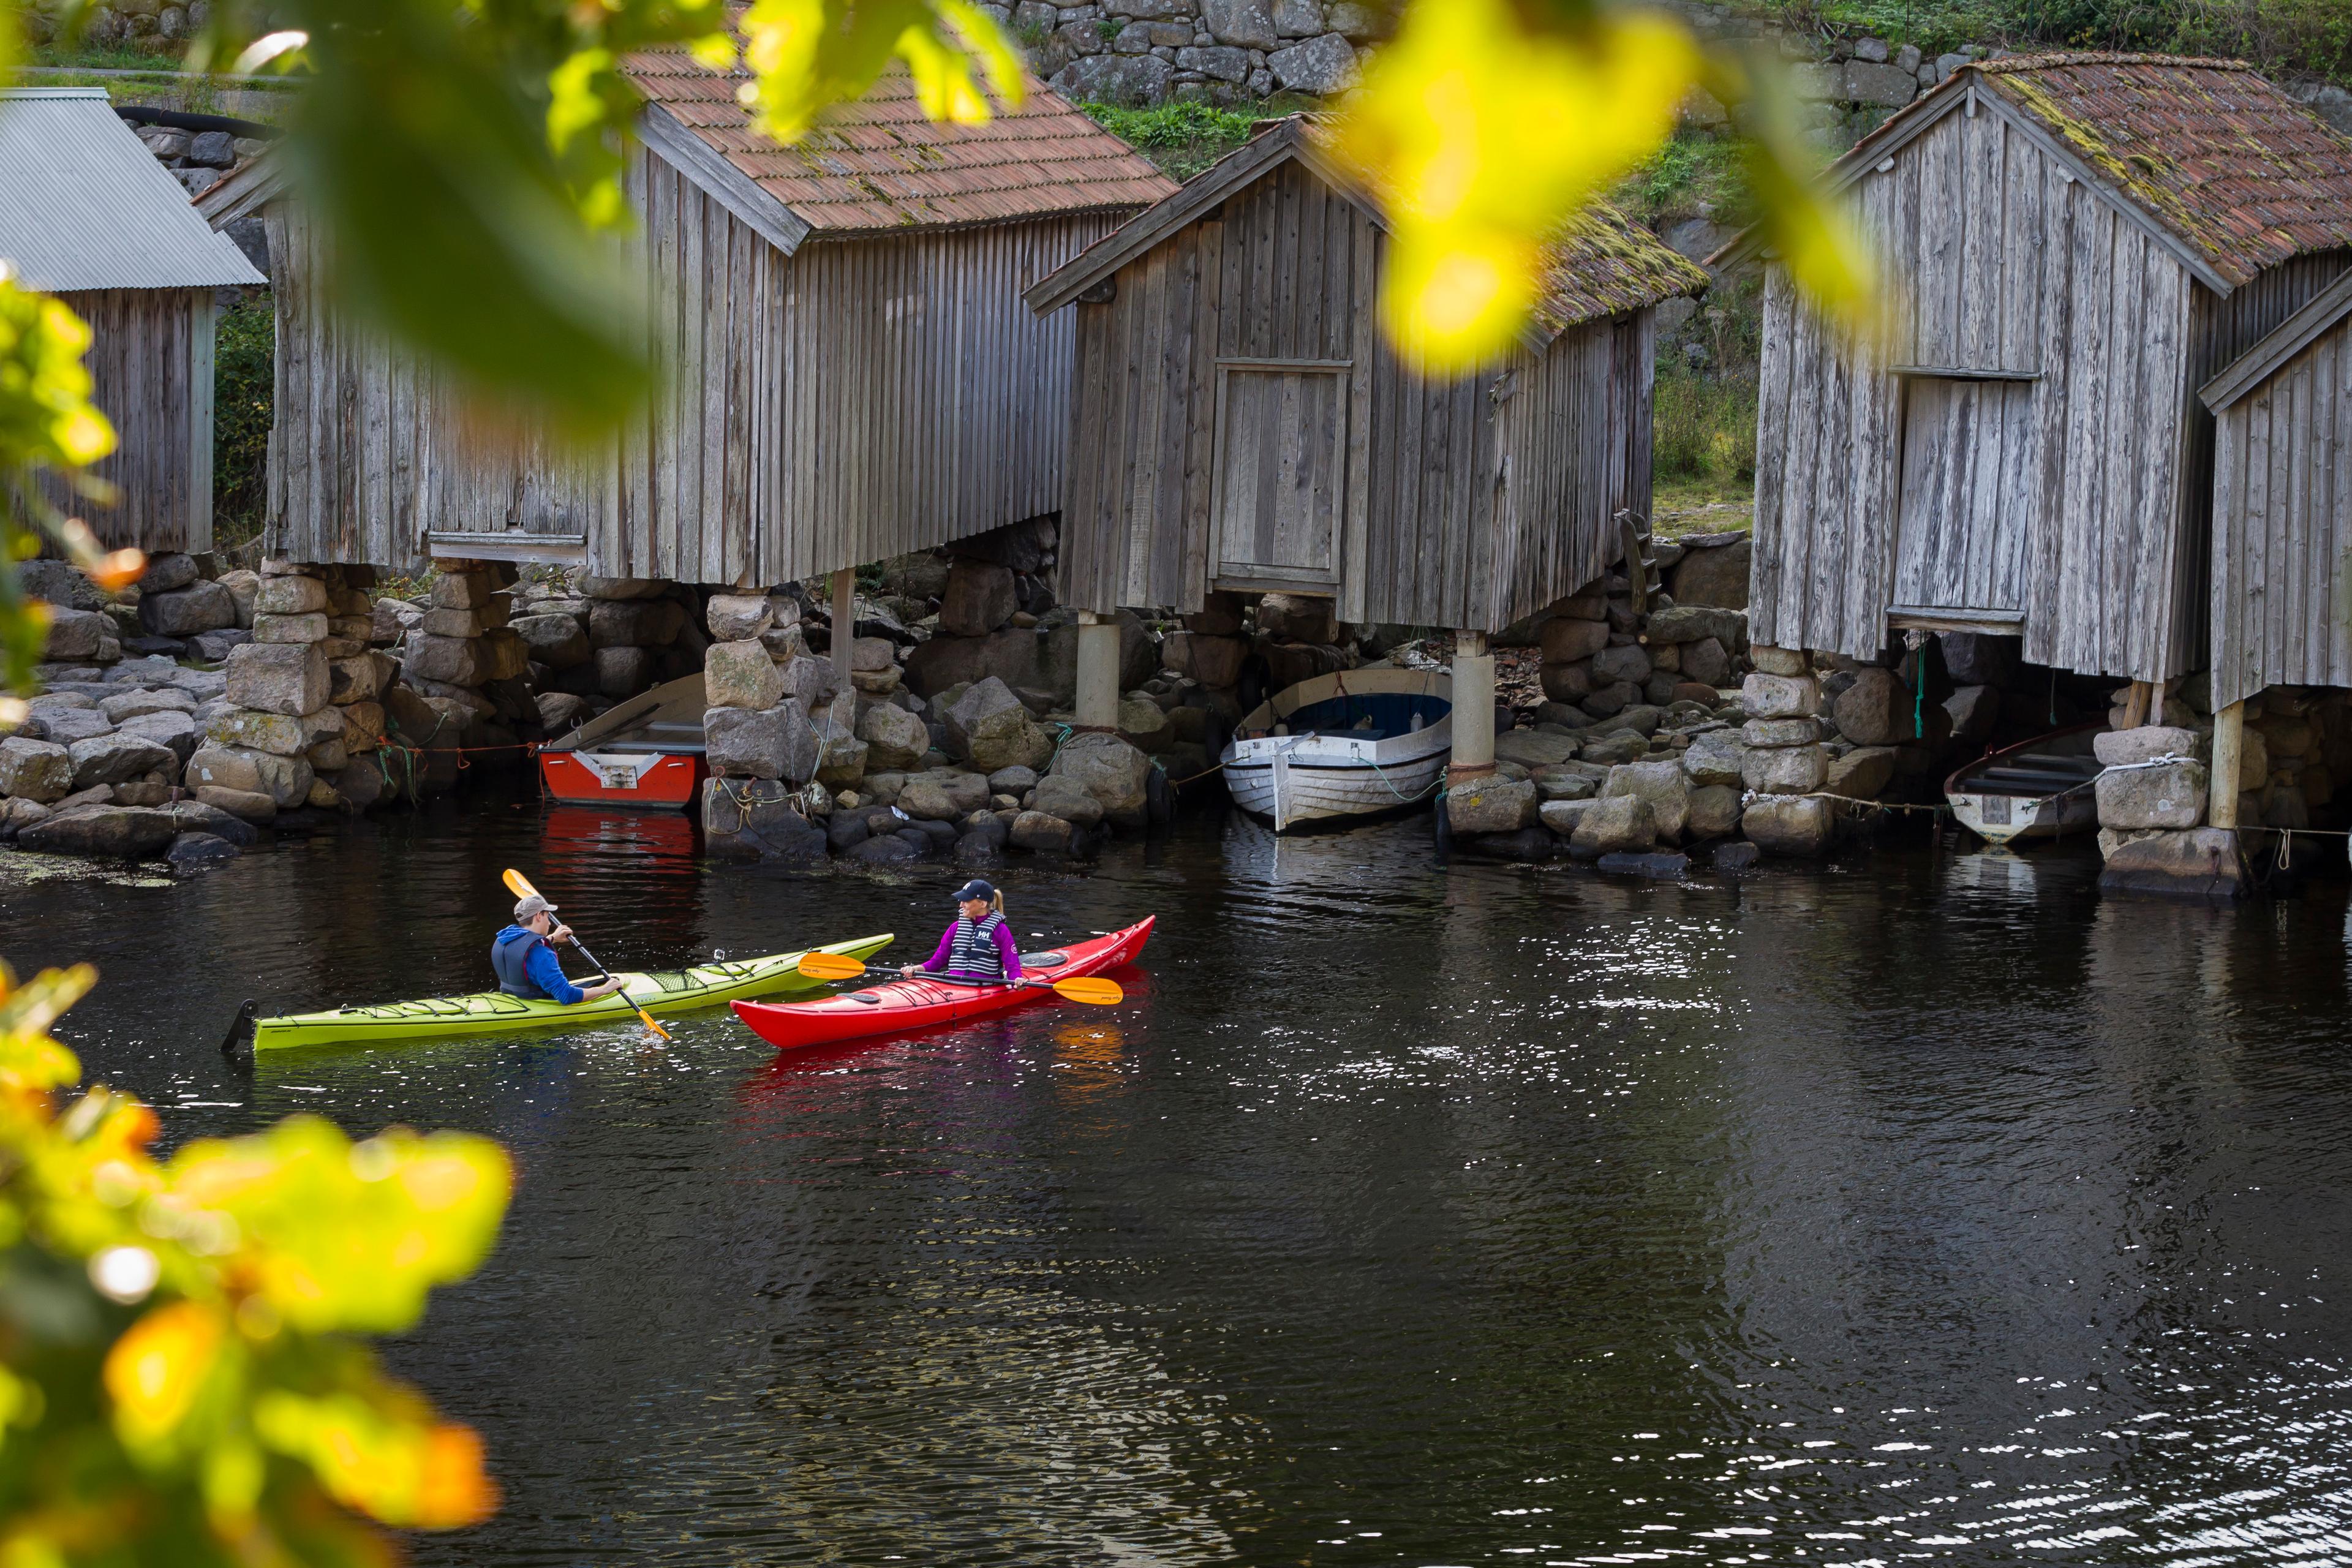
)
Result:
{"points": [[1352, 744], [898, 1007], [2035, 789], [496, 1012], [646, 753]]}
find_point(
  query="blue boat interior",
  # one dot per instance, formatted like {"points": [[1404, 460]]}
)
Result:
{"points": [[1390, 712]]}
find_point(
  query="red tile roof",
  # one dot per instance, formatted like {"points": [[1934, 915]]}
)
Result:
{"points": [[2238, 171], [877, 165]]}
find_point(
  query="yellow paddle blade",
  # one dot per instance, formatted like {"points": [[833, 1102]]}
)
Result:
{"points": [[830, 966], [518, 884], [656, 1028], [1101, 993]]}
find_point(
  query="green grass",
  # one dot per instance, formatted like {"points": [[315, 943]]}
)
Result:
{"points": [[1185, 138], [244, 376], [1693, 170], [2293, 38], [1703, 438]]}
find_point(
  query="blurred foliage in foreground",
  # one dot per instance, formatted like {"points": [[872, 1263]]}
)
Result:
{"points": [[179, 1379]]}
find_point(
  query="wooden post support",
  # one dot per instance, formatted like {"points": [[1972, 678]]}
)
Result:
{"points": [[2136, 706], [1474, 707], [1098, 697], [844, 622], [2228, 746]]}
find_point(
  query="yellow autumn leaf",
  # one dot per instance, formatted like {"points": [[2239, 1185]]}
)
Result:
{"points": [[156, 1371], [1482, 136], [383, 1456]]}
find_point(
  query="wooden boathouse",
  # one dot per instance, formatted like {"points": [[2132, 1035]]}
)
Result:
{"points": [[1238, 422], [87, 215], [847, 370], [2076, 243]]}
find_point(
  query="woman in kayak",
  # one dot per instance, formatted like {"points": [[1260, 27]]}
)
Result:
{"points": [[978, 946], [523, 956]]}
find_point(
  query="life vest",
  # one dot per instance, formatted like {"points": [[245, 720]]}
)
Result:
{"points": [[974, 950], [510, 957]]}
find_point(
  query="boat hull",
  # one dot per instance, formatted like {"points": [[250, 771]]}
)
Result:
{"points": [[2035, 789], [650, 781], [1331, 773], [901, 1007], [2003, 819], [495, 1013]]}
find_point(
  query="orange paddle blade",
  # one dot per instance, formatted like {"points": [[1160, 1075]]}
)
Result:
{"points": [[830, 966], [518, 884], [1100, 993], [656, 1028]]}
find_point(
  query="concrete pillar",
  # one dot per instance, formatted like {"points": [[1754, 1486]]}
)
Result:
{"points": [[1098, 703], [1474, 706], [844, 622], [2221, 787]]}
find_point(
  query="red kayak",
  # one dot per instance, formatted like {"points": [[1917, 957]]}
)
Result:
{"points": [[906, 1005]]}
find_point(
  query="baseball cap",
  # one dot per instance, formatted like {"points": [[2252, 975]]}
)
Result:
{"points": [[976, 889], [534, 904]]}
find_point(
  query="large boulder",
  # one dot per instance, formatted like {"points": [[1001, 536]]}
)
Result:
{"points": [[1877, 710], [1713, 812], [1067, 798], [636, 623], [556, 641], [1662, 783], [201, 606], [2121, 748], [279, 678], [2197, 863], [980, 598], [289, 596], [35, 770], [123, 755], [1714, 574], [61, 584], [2168, 794], [1011, 656], [1298, 617], [166, 728], [121, 832], [1492, 803], [1977, 658], [778, 742], [1321, 66], [757, 820], [975, 702], [1008, 738], [1789, 824], [291, 628], [452, 661], [1616, 826], [1708, 663], [1764, 696], [360, 679], [285, 780], [1533, 748], [245, 588], [621, 671], [895, 739], [77, 635], [1862, 773], [942, 794], [741, 675], [736, 617], [1680, 623], [1113, 771], [1041, 832], [1568, 641], [280, 734], [1783, 770], [1212, 660]]}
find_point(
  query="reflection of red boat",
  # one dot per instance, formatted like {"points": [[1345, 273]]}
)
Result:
{"points": [[906, 1005], [643, 755]]}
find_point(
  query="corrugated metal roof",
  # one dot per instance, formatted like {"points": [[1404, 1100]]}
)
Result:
{"points": [[875, 164], [86, 205]]}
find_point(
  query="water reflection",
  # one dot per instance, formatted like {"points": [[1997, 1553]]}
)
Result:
{"points": [[1943, 1212]]}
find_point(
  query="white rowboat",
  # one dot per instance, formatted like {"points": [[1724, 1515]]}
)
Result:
{"points": [[2035, 789], [1349, 745]]}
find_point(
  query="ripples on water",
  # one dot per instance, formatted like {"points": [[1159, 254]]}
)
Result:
{"points": [[1944, 1212]]}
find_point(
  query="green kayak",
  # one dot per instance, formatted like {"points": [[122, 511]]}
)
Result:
{"points": [[495, 1013]]}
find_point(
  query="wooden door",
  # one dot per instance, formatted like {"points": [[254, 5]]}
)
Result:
{"points": [[1970, 487], [1280, 488]]}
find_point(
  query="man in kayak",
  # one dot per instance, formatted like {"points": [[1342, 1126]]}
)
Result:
{"points": [[524, 955], [978, 946]]}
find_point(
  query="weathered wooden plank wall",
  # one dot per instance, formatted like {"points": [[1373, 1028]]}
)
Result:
{"points": [[1446, 523], [151, 368], [2007, 265], [2282, 559], [857, 400]]}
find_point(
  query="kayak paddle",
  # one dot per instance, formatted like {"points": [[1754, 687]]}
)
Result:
{"points": [[519, 885], [1078, 988]]}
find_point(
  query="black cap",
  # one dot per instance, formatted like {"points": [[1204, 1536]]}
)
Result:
{"points": [[976, 889]]}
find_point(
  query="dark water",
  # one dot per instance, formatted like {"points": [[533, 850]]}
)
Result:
{"points": [[1941, 1212]]}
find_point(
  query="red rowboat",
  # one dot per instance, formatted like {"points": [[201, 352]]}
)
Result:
{"points": [[644, 755], [902, 1006]]}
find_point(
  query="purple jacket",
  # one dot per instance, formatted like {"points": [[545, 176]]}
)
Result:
{"points": [[1005, 949]]}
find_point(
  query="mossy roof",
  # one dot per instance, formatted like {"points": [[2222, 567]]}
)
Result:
{"points": [[2212, 152]]}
